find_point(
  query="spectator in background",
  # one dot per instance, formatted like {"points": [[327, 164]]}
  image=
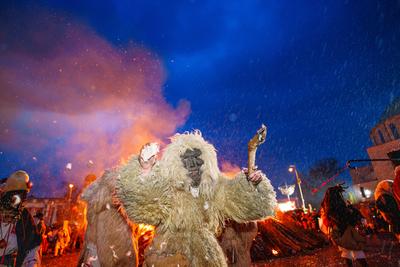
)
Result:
{"points": [[63, 238], [51, 239], [41, 227]]}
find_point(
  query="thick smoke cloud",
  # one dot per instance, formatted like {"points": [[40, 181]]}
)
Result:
{"points": [[69, 96], [229, 169]]}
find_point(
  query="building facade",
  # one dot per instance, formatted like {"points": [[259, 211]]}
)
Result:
{"points": [[385, 137], [54, 209]]}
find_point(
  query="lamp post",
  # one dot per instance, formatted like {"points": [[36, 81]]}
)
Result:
{"points": [[292, 168], [70, 192], [70, 186]]}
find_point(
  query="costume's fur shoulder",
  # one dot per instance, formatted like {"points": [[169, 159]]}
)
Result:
{"points": [[99, 192], [131, 168], [171, 165]]}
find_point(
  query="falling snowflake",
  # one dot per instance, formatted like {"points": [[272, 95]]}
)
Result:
{"points": [[68, 166], [163, 244], [233, 117]]}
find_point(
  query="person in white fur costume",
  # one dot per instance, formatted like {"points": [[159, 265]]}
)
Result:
{"points": [[185, 196]]}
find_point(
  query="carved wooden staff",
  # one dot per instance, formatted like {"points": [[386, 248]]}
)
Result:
{"points": [[252, 146]]}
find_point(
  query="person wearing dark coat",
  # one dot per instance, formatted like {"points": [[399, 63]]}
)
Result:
{"points": [[19, 240]]}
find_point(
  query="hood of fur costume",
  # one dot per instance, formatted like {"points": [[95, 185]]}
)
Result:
{"points": [[172, 167]]}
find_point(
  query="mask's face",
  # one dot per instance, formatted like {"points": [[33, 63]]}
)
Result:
{"points": [[192, 162]]}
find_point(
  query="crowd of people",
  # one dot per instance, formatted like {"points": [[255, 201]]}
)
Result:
{"points": [[59, 239], [347, 226], [24, 239], [371, 219]]}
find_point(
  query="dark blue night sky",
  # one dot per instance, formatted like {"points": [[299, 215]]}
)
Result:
{"points": [[318, 74]]}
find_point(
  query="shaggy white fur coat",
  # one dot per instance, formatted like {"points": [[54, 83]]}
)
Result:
{"points": [[186, 225]]}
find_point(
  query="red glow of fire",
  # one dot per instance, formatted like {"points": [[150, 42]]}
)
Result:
{"points": [[229, 169]]}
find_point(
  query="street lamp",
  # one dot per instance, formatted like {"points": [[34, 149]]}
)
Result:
{"points": [[292, 168], [70, 191], [70, 187]]}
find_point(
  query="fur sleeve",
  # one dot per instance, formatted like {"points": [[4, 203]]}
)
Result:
{"points": [[242, 201], [144, 199]]}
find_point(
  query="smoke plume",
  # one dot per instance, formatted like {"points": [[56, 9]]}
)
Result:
{"points": [[69, 96]]}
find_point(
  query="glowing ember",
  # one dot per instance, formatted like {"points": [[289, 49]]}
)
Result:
{"points": [[274, 252]]}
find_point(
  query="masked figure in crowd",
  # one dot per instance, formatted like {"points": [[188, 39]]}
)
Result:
{"points": [[185, 196], [340, 220], [19, 238], [385, 201], [110, 239]]}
